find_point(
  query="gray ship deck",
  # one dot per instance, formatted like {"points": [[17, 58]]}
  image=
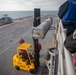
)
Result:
{"points": [[9, 40]]}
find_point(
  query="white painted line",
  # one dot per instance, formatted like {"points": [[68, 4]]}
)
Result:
{"points": [[2, 31], [18, 32], [11, 36], [12, 44], [5, 37]]}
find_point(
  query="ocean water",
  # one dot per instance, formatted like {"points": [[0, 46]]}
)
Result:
{"points": [[21, 14]]}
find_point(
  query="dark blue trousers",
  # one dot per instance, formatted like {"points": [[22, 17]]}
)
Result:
{"points": [[70, 27]]}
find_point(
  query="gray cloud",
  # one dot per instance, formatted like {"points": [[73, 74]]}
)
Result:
{"points": [[30, 4]]}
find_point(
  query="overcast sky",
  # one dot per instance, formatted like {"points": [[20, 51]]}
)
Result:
{"points": [[17, 5]]}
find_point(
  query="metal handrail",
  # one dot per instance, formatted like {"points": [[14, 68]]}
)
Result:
{"points": [[63, 63], [60, 48], [64, 55]]}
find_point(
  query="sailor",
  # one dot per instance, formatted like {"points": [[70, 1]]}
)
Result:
{"points": [[21, 40], [70, 42], [69, 18], [24, 54], [67, 13], [74, 59], [39, 47]]}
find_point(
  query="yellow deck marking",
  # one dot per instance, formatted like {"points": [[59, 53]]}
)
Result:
{"points": [[15, 22]]}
